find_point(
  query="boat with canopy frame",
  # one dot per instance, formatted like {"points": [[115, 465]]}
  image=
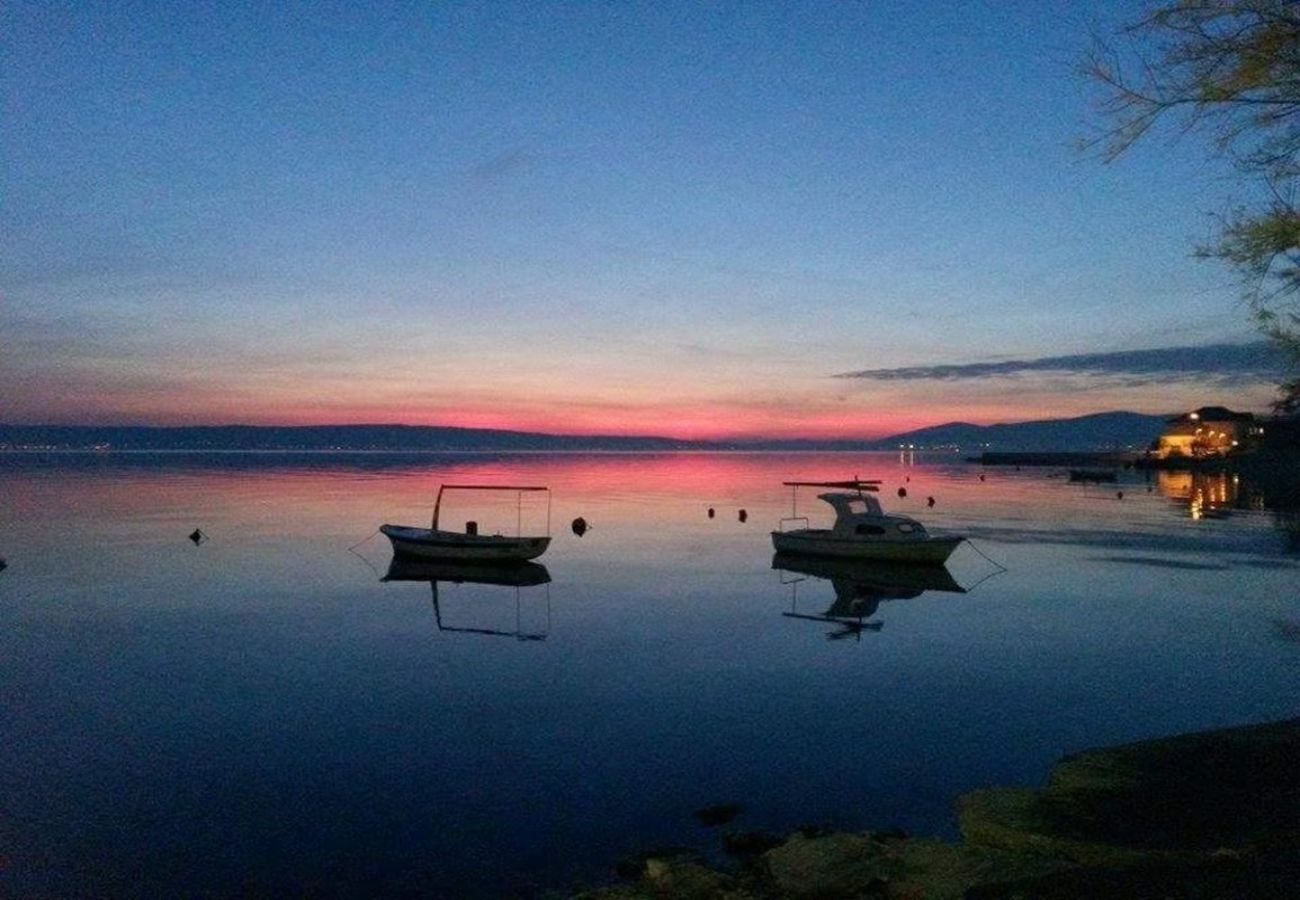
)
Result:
{"points": [[438, 543], [862, 530]]}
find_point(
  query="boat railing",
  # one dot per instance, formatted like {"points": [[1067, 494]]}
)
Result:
{"points": [[780, 526]]}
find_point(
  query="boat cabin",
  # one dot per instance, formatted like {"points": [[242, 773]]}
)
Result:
{"points": [[858, 515]]}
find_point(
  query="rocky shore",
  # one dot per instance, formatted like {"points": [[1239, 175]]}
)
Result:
{"points": [[1207, 815]]}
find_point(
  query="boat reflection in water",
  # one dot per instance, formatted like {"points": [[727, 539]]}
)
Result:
{"points": [[860, 587], [517, 575]]}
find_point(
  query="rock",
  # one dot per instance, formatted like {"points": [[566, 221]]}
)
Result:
{"points": [[1270, 877], [720, 814], [688, 881], [1206, 816], [750, 843], [637, 866], [935, 870], [889, 834], [812, 831], [837, 865], [1181, 797], [1012, 819]]}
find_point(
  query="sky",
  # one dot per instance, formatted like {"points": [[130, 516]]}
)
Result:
{"points": [[688, 219]]}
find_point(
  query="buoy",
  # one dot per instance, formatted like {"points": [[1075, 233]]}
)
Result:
{"points": [[743, 516], [580, 526], [3, 565], [1149, 488], [197, 536], [1119, 495], [908, 479], [981, 477], [712, 512], [929, 501], [902, 492]]}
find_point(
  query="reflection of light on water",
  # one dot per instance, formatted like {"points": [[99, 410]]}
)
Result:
{"points": [[1206, 493]]}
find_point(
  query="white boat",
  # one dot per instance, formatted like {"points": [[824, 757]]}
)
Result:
{"points": [[862, 530], [435, 543]]}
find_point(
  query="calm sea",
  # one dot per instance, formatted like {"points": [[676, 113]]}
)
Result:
{"points": [[261, 714]]}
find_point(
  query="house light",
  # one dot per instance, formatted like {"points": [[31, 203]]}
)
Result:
{"points": [[1195, 417]]}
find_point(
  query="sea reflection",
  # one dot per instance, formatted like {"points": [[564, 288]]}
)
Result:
{"points": [[476, 615], [260, 715], [1209, 495], [860, 587]]}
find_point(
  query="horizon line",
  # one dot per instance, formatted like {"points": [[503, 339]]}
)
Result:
{"points": [[587, 435]]}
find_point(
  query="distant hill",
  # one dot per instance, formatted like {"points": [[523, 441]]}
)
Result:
{"points": [[1102, 431], [1099, 431], [315, 437]]}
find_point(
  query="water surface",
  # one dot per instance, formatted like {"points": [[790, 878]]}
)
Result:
{"points": [[261, 713]]}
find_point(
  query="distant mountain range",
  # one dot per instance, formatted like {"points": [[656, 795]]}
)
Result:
{"points": [[1101, 431]]}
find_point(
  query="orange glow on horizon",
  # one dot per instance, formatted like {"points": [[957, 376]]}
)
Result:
{"points": [[680, 423], [779, 409]]}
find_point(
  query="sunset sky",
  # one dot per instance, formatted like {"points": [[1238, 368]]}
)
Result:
{"points": [[689, 219]]}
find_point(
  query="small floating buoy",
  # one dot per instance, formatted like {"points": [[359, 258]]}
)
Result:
{"points": [[981, 477], [579, 526], [902, 492], [3, 565], [712, 512], [907, 478], [1119, 495], [197, 536], [743, 516], [929, 501], [1149, 489]]}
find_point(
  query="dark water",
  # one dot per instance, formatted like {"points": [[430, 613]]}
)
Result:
{"points": [[261, 714]]}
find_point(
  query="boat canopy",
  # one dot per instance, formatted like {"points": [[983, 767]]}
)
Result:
{"points": [[862, 486], [519, 489], [854, 484]]}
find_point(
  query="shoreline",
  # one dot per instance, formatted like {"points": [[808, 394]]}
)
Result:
{"points": [[1210, 814]]}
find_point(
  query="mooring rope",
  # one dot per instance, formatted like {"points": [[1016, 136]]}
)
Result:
{"points": [[998, 568], [362, 541], [973, 546]]}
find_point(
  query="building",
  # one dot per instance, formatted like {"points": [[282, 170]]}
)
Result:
{"points": [[1206, 432]]}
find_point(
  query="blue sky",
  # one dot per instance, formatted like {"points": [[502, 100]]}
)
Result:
{"points": [[670, 218]]}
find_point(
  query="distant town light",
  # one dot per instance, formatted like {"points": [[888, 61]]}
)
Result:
{"points": [[1195, 417]]}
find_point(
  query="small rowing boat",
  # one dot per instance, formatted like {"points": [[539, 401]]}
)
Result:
{"points": [[438, 543]]}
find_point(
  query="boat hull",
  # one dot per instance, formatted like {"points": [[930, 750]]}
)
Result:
{"points": [[425, 543], [933, 550]]}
